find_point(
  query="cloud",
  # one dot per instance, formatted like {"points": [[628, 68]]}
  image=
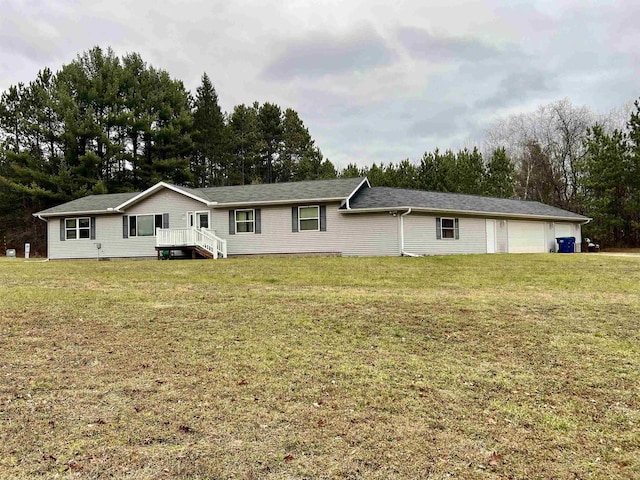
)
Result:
{"points": [[518, 86], [421, 44], [320, 54]]}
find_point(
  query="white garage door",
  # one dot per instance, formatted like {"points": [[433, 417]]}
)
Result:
{"points": [[564, 230], [526, 237]]}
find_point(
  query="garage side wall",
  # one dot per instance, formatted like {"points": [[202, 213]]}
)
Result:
{"points": [[420, 236]]}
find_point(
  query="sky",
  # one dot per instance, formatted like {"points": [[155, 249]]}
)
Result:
{"points": [[374, 81]]}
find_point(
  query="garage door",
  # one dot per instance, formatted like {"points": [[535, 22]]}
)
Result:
{"points": [[526, 237], [564, 230]]}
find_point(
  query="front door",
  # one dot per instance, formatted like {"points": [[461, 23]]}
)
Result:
{"points": [[491, 236], [202, 220], [198, 219]]}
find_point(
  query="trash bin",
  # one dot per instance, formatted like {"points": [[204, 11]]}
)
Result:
{"points": [[566, 244]]}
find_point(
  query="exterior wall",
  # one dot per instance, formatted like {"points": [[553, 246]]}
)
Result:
{"points": [[420, 236], [361, 234], [566, 229], [109, 230], [346, 234], [502, 238]]}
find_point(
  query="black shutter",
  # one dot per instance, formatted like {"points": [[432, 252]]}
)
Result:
{"points": [[125, 226], [456, 229], [93, 228], [232, 222], [323, 218], [165, 220], [294, 219], [438, 229], [62, 231], [258, 221]]}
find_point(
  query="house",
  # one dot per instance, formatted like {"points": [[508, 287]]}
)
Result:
{"points": [[343, 216]]}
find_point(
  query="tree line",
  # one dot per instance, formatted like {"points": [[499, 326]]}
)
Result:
{"points": [[105, 124]]}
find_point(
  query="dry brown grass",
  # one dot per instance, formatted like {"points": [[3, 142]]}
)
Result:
{"points": [[509, 366]]}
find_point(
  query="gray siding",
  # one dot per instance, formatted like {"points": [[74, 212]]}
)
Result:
{"points": [[420, 236], [502, 239], [346, 234], [109, 230], [568, 229]]}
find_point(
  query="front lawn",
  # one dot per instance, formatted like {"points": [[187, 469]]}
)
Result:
{"points": [[490, 366]]}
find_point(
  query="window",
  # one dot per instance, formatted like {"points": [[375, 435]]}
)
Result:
{"points": [[75, 228], [245, 221], [447, 228], [309, 218], [144, 225]]}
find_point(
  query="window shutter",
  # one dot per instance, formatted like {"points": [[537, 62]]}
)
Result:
{"points": [[93, 228], [323, 218], [165, 220], [294, 219], [232, 222], [258, 220], [62, 230], [456, 229], [125, 226], [438, 229]]}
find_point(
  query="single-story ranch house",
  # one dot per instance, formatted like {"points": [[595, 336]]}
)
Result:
{"points": [[344, 216]]}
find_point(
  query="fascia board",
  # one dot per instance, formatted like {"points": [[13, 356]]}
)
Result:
{"points": [[468, 213]]}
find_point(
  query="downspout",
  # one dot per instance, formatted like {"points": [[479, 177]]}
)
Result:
{"points": [[47, 222], [402, 251]]}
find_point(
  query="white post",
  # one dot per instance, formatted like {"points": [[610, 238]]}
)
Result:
{"points": [[27, 250]]}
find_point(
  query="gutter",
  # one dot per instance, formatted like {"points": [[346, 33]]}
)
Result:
{"points": [[470, 213]]}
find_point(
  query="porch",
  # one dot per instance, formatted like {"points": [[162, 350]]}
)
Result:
{"points": [[193, 240]]}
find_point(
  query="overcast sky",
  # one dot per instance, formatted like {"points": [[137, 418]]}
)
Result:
{"points": [[372, 80]]}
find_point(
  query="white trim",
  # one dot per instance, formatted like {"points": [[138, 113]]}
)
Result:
{"points": [[77, 228], [442, 228], [468, 213], [300, 219], [365, 180], [72, 214], [252, 221], [151, 190]]}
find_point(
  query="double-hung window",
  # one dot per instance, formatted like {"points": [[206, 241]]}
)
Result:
{"points": [[75, 228], [447, 228], [245, 221], [309, 218]]}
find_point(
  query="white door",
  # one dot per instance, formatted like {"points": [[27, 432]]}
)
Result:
{"points": [[491, 236], [526, 237], [198, 219], [202, 219]]}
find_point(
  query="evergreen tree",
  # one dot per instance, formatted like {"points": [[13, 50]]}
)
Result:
{"points": [[271, 138], [498, 181], [209, 162], [244, 144]]}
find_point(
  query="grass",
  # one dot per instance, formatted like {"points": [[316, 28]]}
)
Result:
{"points": [[491, 366]]}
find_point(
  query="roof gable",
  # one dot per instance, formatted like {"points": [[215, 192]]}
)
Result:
{"points": [[274, 193]]}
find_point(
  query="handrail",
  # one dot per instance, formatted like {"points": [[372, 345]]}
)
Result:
{"points": [[192, 236]]}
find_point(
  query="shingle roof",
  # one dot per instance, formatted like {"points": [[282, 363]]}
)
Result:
{"points": [[390, 198], [90, 203], [282, 192], [311, 190]]}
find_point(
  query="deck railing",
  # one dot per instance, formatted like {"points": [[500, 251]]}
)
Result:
{"points": [[191, 237]]}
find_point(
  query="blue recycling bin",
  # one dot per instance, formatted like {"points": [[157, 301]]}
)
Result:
{"points": [[566, 244]]}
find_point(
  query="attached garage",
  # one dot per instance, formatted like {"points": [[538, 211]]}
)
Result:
{"points": [[526, 237], [567, 230]]}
